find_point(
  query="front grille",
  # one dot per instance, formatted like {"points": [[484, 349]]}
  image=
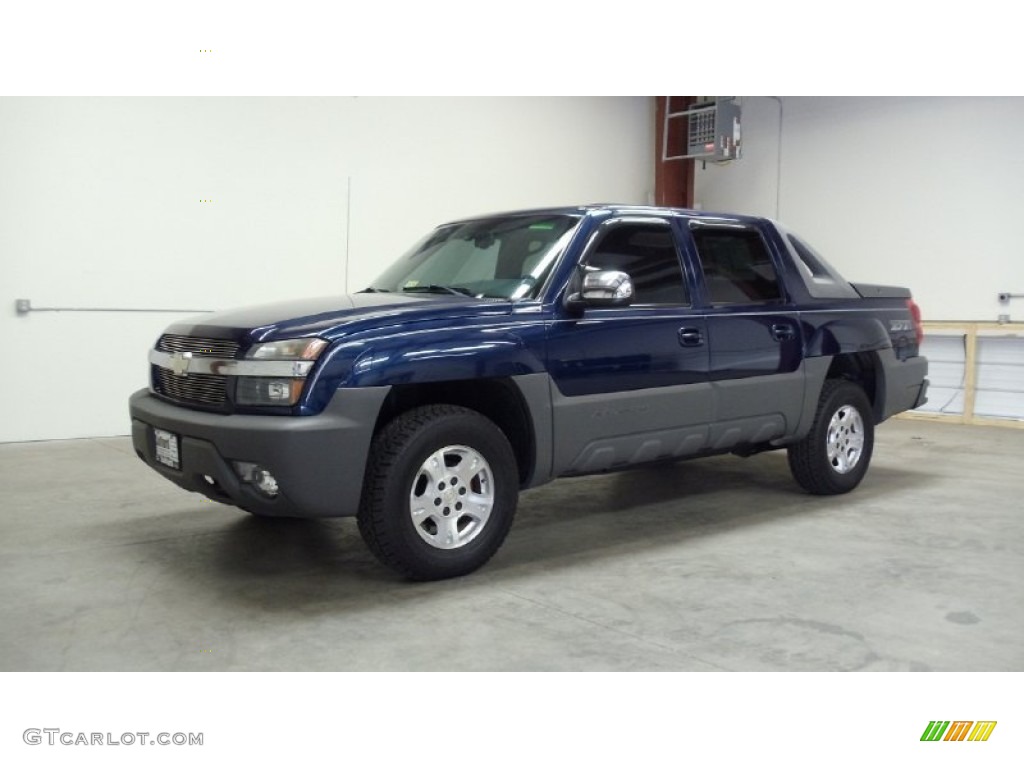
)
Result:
{"points": [[172, 342], [196, 388]]}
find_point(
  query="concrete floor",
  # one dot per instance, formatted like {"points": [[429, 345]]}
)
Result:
{"points": [[717, 564]]}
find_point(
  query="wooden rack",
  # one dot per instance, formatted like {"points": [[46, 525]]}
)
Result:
{"points": [[970, 332]]}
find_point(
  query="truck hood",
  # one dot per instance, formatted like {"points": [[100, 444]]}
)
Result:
{"points": [[332, 316]]}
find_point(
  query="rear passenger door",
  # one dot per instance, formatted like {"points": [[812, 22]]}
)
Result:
{"points": [[754, 336]]}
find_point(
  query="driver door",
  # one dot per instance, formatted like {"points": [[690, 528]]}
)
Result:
{"points": [[631, 383]]}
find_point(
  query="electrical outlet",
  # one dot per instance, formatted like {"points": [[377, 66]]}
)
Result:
{"points": [[24, 306], [1003, 319]]}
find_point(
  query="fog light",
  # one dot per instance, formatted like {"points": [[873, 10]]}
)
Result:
{"points": [[254, 474], [264, 482]]}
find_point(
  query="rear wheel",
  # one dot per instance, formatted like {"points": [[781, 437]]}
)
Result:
{"points": [[835, 454], [440, 493]]}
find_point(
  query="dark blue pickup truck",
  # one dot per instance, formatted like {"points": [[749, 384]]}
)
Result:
{"points": [[504, 351]]}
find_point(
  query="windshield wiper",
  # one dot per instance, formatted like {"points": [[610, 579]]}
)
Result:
{"points": [[454, 290], [371, 289]]}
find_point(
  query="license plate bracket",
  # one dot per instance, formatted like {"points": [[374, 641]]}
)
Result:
{"points": [[167, 448]]}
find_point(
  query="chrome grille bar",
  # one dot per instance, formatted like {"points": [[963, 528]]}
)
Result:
{"points": [[172, 342], [191, 364], [202, 389]]}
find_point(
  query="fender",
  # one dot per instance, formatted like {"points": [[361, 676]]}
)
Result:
{"points": [[848, 335], [441, 355], [843, 336]]}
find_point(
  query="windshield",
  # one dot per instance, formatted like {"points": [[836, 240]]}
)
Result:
{"points": [[506, 257]]}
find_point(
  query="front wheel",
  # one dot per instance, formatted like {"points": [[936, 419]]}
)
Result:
{"points": [[440, 493], [835, 454]]}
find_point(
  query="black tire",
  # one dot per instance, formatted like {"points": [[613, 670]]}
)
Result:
{"points": [[448, 538], [827, 461]]}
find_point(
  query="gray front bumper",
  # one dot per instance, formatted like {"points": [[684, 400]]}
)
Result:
{"points": [[318, 460]]}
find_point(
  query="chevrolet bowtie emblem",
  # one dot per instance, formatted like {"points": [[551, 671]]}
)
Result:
{"points": [[180, 362]]}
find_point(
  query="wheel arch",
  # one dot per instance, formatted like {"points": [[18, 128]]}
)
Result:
{"points": [[865, 370], [498, 399]]}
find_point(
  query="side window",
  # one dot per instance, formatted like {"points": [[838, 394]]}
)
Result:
{"points": [[647, 253], [737, 266]]}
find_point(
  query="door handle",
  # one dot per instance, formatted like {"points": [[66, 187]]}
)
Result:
{"points": [[691, 337], [783, 332]]}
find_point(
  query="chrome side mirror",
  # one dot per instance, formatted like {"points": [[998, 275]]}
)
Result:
{"points": [[605, 288], [600, 288]]}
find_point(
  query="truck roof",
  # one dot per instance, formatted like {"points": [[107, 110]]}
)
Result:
{"points": [[618, 209]]}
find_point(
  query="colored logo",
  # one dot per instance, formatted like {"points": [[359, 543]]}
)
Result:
{"points": [[958, 730]]}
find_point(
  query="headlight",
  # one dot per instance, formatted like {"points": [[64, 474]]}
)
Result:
{"points": [[283, 389], [289, 349], [254, 390]]}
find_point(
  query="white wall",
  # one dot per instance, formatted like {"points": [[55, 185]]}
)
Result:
{"points": [[922, 192], [100, 207]]}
